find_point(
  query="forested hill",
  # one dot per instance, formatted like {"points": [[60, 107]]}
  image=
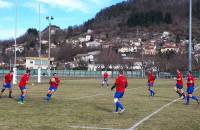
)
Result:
{"points": [[148, 15]]}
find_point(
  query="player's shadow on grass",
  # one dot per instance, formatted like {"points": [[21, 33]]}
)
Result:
{"points": [[103, 108]]}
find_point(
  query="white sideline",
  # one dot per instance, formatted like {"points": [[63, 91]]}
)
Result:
{"points": [[93, 128], [155, 112], [152, 114]]}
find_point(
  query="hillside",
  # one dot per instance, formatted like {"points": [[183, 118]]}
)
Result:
{"points": [[147, 15]]}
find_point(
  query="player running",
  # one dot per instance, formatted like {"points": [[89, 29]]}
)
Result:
{"points": [[7, 84], [54, 82], [22, 85], [151, 79], [179, 84], [121, 84], [190, 88], [105, 79]]}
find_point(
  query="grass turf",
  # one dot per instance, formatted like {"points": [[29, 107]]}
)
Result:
{"points": [[85, 103]]}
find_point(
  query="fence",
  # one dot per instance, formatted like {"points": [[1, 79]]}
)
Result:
{"points": [[92, 74]]}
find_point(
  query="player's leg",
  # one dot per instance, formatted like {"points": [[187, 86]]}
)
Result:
{"points": [[178, 90], [10, 90], [194, 97], [151, 92], [10, 93], [182, 93], [189, 95], [117, 102], [23, 94], [107, 83], [50, 93], [102, 83], [3, 89]]}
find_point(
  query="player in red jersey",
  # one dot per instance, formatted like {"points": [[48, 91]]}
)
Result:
{"points": [[7, 84], [190, 88], [179, 84], [121, 84], [22, 85], [54, 82], [105, 79], [151, 79]]}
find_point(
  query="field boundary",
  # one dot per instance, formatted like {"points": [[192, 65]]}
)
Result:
{"points": [[93, 128], [152, 114]]}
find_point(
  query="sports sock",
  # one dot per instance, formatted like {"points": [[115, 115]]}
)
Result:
{"points": [[10, 93], [187, 100], [117, 107], [183, 94], [194, 98], [22, 98], [179, 93], [49, 96], [120, 105], [2, 90]]}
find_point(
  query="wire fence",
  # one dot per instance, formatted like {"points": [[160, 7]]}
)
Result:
{"points": [[77, 74]]}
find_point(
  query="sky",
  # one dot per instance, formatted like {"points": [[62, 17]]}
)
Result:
{"points": [[65, 12]]}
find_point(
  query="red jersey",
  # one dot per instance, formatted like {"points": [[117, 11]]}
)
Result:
{"points": [[121, 83], [105, 75], [179, 78], [151, 78], [55, 83], [24, 80], [8, 78], [190, 81]]}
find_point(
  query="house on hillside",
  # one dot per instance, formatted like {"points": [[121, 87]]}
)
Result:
{"points": [[93, 44], [36, 62], [127, 50], [87, 58], [170, 47], [149, 50]]}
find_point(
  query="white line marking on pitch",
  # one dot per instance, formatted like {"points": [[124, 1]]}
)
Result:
{"points": [[93, 128], [154, 113]]}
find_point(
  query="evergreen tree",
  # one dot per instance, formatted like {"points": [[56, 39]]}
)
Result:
{"points": [[168, 18]]}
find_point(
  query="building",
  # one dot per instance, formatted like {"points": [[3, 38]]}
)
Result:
{"points": [[93, 44], [170, 47], [127, 50], [36, 62], [149, 50]]}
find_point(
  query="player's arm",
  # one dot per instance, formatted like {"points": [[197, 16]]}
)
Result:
{"points": [[114, 85], [126, 84]]}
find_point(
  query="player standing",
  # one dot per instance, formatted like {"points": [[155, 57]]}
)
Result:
{"points": [[7, 84], [179, 84], [190, 88], [54, 82], [105, 79], [151, 79], [22, 85], [121, 84]]}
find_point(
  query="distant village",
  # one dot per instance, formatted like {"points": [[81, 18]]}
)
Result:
{"points": [[133, 48]]}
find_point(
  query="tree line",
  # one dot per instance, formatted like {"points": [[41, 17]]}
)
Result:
{"points": [[146, 19]]}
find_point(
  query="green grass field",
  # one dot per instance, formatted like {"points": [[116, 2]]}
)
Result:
{"points": [[83, 103]]}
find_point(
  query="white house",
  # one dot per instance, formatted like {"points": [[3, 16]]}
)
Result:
{"points": [[36, 62], [197, 46], [127, 49], [166, 48], [150, 50], [93, 44]]}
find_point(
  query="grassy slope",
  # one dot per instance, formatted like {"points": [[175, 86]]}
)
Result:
{"points": [[68, 108]]}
